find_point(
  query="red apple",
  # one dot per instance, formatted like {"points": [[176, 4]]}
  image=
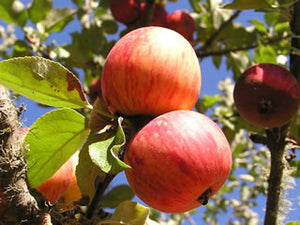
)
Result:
{"points": [[267, 95], [159, 16], [125, 11], [150, 71], [178, 160], [73, 193], [183, 23], [95, 90], [54, 188]]}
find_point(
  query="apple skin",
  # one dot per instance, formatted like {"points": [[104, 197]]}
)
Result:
{"points": [[73, 192], [95, 90], [182, 23], [150, 71], [175, 158], [159, 17], [267, 95], [55, 187], [125, 11]]}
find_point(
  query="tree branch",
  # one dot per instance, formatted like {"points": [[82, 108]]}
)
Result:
{"points": [[21, 206]]}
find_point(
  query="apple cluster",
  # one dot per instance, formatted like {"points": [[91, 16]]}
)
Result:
{"points": [[134, 12], [180, 157], [267, 95]]}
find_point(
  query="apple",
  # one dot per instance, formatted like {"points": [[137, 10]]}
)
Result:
{"points": [[55, 187], [73, 193], [183, 23], [125, 11], [159, 16], [150, 71], [94, 90], [178, 160], [267, 95]]}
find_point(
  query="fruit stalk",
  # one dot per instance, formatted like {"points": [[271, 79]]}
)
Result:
{"points": [[21, 206]]}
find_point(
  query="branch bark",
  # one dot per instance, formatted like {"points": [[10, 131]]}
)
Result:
{"points": [[21, 205]]}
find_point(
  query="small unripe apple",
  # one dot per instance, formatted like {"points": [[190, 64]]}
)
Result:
{"points": [[150, 71], [267, 95], [54, 188], [159, 16], [178, 160], [183, 23], [125, 11]]}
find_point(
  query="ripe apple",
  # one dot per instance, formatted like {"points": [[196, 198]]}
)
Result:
{"points": [[94, 90], [125, 11], [73, 192], [178, 160], [159, 17], [267, 95], [54, 188], [150, 71], [183, 23]]}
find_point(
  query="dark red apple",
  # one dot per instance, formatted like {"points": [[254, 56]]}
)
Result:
{"points": [[267, 95], [178, 160], [125, 11], [182, 23], [95, 90], [150, 71], [159, 16]]}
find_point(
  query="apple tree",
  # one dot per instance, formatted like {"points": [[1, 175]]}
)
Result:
{"points": [[119, 89]]}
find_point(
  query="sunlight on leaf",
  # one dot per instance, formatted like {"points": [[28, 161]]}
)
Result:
{"points": [[52, 140], [248, 4]]}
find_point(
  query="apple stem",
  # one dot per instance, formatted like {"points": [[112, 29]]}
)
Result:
{"points": [[93, 207]]}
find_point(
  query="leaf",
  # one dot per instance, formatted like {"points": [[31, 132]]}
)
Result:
{"points": [[57, 19], [260, 26], [52, 140], [296, 164], [129, 212], [87, 172], [118, 194], [13, 12], [104, 153], [43, 81], [293, 223], [265, 54], [39, 9], [248, 4]]}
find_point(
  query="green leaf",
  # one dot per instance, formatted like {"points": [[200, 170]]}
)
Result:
{"points": [[52, 140], [195, 5], [118, 194], [129, 213], [13, 11], [293, 223], [43, 81], [87, 172], [39, 9], [248, 4], [104, 153], [57, 19], [260, 26], [265, 54], [296, 164]]}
